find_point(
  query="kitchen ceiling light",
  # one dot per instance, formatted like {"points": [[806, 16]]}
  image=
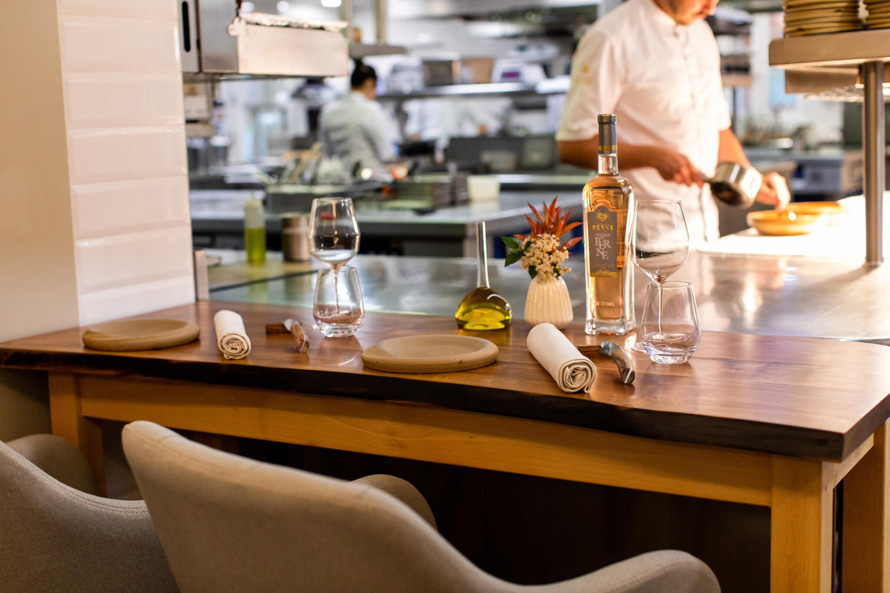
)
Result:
{"points": [[330, 3]]}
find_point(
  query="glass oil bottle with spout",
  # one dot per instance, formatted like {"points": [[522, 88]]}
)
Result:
{"points": [[483, 308]]}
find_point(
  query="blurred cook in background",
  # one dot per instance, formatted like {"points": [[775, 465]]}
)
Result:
{"points": [[445, 118], [656, 65], [352, 127]]}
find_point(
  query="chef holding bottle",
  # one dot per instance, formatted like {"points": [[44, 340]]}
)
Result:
{"points": [[656, 65]]}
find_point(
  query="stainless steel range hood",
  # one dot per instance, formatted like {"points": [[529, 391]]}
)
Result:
{"points": [[217, 41]]}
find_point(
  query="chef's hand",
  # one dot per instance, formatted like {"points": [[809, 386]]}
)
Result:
{"points": [[674, 166], [774, 191]]}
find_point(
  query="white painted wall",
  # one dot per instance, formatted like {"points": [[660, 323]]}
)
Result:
{"points": [[93, 179]]}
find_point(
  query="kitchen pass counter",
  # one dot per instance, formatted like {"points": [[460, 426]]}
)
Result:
{"points": [[844, 240]]}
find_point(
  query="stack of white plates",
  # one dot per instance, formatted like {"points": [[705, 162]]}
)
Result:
{"points": [[878, 14], [815, 17]]}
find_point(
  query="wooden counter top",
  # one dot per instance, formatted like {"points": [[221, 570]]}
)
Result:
{"points": [[788, 396]]}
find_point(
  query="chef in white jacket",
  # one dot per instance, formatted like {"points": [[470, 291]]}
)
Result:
{"points": [[655, 64], [352, 128]]}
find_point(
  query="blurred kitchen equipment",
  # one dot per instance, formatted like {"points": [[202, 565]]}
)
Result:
{"points": [[735, 184], [295, 237], [483, 188], [217, 38]]}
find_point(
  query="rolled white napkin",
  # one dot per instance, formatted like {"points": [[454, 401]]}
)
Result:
{"points": [[572, 370], [231, 336]]}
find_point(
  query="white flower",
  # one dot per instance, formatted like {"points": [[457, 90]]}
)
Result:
{"points": [[544, 255]]}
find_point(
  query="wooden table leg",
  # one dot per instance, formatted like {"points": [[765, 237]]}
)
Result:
{"points": [[865, 555], [69, 423], [801, 527]]}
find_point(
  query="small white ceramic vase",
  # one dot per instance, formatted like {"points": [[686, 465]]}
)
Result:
{"points": [[548, 301]]}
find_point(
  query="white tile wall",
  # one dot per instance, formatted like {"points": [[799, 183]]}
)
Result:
{"points": [[106, 154], [102, 44], [124, 8], [106, 99], [133, 258], [102, 209], [133, 299], [126, 156]]}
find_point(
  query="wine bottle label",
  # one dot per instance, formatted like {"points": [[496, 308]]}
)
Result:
{"points": [[602, 247]]}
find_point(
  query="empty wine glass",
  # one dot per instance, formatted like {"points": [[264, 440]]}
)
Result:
{"points": [[660, 243], [333, 231], [670, 328]]}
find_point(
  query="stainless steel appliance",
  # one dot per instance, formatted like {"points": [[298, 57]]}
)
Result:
{"points": [[218, 40]]}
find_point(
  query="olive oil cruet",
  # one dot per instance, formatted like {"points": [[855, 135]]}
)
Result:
{"points": [[483, 308]]}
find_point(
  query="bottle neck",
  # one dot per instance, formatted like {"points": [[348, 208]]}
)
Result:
{"points": [[608, 163], [481, 256]]}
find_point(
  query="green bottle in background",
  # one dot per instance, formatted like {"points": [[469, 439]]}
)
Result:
{"points": [[255, 231]]}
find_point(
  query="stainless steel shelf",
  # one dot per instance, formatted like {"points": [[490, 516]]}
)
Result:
{"points": [[831, 52], [463, 90], [854, 60], [363, 50]]}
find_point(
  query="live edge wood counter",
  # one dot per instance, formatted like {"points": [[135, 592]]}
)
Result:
{"points": [[761, 420]]}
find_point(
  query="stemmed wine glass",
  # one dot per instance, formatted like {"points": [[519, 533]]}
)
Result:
{"points": [[660, 243], [333, 231], [334, 239]]}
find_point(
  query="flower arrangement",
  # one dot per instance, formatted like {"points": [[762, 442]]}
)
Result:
{"points": [[540, 252]]}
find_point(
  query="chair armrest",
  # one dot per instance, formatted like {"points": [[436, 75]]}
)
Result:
{"points": [[655, 572], [58, 458], [402, 490]]}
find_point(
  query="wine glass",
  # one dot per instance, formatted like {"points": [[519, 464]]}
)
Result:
{"points": [[659, 243], [333, 239], [333, 231]]}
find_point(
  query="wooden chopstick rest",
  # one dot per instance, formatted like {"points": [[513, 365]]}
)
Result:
{"points": [[293, 327]]}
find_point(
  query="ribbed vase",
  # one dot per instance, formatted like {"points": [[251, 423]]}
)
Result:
{"points": [[548, 301]]}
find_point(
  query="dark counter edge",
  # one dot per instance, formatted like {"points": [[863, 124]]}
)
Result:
{"points": [[760, 437]]}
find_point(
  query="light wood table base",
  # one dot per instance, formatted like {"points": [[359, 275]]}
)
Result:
{"points": [[798, 491]]}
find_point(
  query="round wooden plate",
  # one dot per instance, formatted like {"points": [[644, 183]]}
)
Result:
{"points": [[430, 354], [140, 334]]}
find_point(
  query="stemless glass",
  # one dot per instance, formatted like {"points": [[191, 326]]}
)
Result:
{"points": [[338, 308], [670, 330], [659, 243], [333, 231]]}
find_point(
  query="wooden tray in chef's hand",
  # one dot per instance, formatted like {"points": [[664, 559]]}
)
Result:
{"points": [[430, 354], [140, 334]]}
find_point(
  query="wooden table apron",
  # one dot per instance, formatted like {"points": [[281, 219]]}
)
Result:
{"points": [[798, 490]]}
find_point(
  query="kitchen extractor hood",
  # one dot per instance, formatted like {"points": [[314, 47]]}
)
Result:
{"points": [[220, 41]]}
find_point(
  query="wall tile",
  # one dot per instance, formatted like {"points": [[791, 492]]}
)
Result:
{"points": [[103, 100], [135, 258], [130, 300], [102, 44], [162, 9], [103, 209], [99, 155]]}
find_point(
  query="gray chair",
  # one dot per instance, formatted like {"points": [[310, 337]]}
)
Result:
{"points": [[229, 524], [58, 536]]}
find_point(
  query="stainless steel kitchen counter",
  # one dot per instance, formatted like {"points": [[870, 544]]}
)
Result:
{"points": [[767, 295], [446, 231]]}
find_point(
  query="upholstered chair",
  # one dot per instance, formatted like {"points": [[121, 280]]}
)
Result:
{"points": [[232, 525], [58, 536]]}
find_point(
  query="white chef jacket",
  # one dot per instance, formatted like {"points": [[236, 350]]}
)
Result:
{"points": [[662, 81], [352, 129]]}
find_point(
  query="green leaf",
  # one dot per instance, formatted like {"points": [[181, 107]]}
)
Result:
{"points": [[512, 258], [532, 272], [510, 242]]}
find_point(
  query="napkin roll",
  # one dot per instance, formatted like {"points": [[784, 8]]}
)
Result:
{"points": [[572, 370], [231, 336]]}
